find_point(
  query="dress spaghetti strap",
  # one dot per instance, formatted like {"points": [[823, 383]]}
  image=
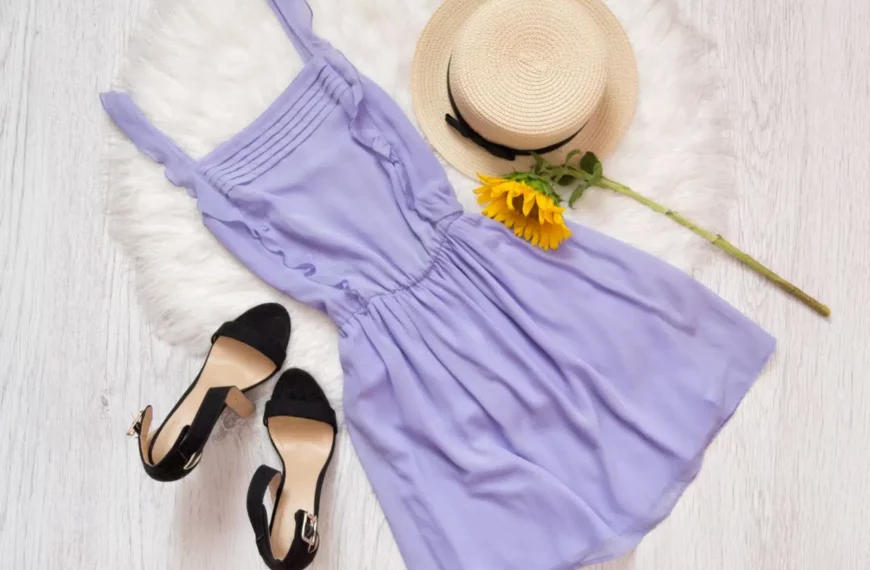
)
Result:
{"points": [[148, 139], [297, 19]]}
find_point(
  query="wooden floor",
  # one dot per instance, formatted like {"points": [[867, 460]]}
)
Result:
{"points": [[786, 486]]}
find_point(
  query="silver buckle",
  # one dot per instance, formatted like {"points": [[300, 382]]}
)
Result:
{"points": [[193, 461], [136, 426], [309, 532]]}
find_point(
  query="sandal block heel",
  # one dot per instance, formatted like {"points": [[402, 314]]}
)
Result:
{"points": [[302, 429], [239, 403], [245, 353]]}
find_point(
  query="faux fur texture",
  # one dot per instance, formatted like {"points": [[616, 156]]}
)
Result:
{"points": [[203, 69]]}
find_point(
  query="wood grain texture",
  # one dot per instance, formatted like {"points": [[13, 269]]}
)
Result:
{"points": [[784, 487]]}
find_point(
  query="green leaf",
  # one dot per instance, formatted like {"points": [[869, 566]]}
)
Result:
{"points": [[540, 186], [597, 175], [571, 155], [578, 192], [576, 195], [593, 167], [562, 176], [588, 162], [544, 188], [539, 163]]}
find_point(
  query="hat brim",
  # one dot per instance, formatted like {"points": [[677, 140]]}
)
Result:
{"points": [[431, 101]]}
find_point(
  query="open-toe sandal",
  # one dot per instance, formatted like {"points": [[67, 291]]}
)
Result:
{"points": [[245, 353], [302, 428]]}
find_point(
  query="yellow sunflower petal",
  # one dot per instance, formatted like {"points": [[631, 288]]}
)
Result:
{"points": [[489, 180], [491, 210], [502, 188], [511, 219], [545, 237], [528, 202], [502, 215], [531, 229], [556, 236], [530, 214]]}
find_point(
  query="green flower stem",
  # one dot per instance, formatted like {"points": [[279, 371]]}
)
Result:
{"points": [[592, 176], [587, 171], [715, 239]]}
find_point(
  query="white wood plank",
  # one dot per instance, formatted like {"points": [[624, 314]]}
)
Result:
{"points": [[783, 486]]}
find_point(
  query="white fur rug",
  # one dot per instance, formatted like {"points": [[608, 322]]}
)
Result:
{"points": [[203, 69]]}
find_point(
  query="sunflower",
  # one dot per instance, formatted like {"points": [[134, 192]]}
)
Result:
{"points": [[532, 213]]}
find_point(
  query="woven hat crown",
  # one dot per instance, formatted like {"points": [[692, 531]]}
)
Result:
{"points": [[494, 80], [527, 74]]}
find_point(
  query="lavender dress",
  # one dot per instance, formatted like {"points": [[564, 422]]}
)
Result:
{"points": [[513, 408]]}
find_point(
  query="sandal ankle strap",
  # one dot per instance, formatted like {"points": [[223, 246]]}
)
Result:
{"points": [[307, 538], [186, 452]]}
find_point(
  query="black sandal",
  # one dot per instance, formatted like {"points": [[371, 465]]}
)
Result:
{"points": [[302, 428], [245, 353]]}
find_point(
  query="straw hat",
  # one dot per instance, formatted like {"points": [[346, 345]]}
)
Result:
{"points": [[492, 77]]}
